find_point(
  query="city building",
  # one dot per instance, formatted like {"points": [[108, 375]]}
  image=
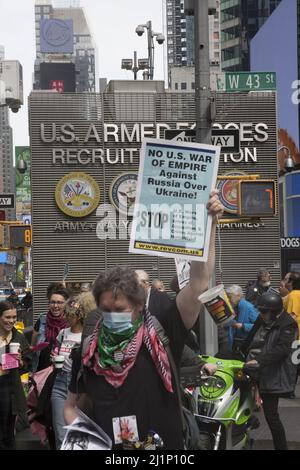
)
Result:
{"points": [[66, 3], [96, 138], [280, 53], [7, 268], [7, 173], [180, 38], [7, 186], [240, 21], [63, 65]]}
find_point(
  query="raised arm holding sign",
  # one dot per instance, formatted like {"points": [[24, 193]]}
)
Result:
{"points": [[187, 300], [174, 186], [176, 210]]}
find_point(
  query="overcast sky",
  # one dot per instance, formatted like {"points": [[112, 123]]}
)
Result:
{"points": [[112, 23]]}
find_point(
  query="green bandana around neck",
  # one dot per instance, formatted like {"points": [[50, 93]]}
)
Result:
{"points": [[109, 343]]}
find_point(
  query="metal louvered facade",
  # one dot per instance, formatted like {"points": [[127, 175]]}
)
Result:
{"points": [[243, 250]]}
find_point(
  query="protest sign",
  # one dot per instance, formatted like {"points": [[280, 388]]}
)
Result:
{"points": [[174, 183], [183, 267]]}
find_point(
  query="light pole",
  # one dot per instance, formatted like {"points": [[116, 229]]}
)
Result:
{"points": [[150, 40], [288, 161], [203, 114], [203, 97]]}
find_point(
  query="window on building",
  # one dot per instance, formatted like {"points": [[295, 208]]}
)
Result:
{"points": [[176, 86], [183, 86]]}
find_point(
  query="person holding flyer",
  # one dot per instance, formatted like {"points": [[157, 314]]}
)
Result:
{"points": [[127, 378]]}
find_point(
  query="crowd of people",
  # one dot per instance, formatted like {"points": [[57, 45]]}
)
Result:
{"points": [[110, 360]]}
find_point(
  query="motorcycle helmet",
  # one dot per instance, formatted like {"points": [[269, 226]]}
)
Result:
{"points": [[270, 302]]}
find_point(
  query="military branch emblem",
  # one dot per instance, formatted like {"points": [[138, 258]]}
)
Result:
{"points": [[122, 192], [77, 194]]}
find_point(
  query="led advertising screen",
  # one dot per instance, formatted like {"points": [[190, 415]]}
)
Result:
{"points": [[58, 76], [275, 48]]}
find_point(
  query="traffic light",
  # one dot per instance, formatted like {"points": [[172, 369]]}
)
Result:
{"points": [[257, 198], [19, 236]]}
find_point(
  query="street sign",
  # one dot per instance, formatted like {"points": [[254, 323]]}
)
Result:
{"points": [[290, 242], [231, 82], [228, 139], [7, 201]]}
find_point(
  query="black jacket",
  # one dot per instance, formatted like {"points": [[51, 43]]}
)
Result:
{"points": [[254, 291], [277, 372], [158, 301]]}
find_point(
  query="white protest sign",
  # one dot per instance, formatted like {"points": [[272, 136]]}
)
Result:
{"points": [[183, 267], [174, 184]]}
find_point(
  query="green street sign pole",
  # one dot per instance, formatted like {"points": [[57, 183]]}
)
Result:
{"points": [[231, 82]]}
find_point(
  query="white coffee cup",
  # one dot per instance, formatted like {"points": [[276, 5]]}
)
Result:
{"points": [[58, 361], [14, 348]]}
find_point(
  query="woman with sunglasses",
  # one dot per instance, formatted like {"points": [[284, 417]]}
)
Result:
{"points": [[76, 310]]}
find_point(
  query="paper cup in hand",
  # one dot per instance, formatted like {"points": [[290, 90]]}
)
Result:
{"points": [[58, 361], [14, 348], [218, 305]]}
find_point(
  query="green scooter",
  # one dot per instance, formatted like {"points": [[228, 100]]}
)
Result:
{"points": [[223, 404]]}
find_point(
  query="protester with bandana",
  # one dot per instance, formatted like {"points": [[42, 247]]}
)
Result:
{"points": [[48, 326], [127, 376]]}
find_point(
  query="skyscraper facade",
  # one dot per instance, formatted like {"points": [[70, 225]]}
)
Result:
{"points": [[81, 51], [7, 175], [180, 35], [180, 38], [240, 21], [66, 3]]}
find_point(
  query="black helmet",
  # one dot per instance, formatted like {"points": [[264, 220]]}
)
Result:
{"points": [[270, 301]]}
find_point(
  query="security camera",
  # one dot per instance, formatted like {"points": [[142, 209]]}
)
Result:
{"points": [[139, 30], [160, 38], [15, 108], [14, 105], [22, 166]]}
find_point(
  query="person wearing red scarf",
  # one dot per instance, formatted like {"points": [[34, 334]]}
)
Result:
{"points": [[48, 326]]}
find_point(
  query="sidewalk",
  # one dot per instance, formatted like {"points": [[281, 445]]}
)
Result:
{"points": [[289, 410]]}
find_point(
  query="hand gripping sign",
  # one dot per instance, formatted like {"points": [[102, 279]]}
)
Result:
{"points": [[174, 184]]}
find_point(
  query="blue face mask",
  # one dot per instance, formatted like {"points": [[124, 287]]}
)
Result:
{"points": [[117, 322]]}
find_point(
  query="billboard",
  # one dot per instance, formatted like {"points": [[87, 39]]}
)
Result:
{"points": [[58, 76], [56, 36], [23, 185], [7, 258], [271, 50]]}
